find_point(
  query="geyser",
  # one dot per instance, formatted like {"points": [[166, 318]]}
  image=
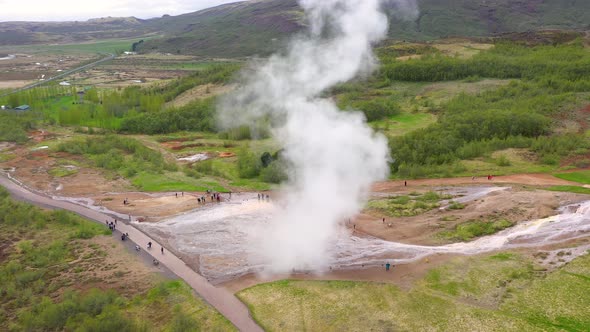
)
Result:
{"points": [[333, 156]]}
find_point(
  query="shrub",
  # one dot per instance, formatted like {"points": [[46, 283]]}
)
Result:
{"points": [[503, 161], [249, 164], [274, 173]]}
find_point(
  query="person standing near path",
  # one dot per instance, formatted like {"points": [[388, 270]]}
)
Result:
{"points": [[162, 250], [387, 266]]}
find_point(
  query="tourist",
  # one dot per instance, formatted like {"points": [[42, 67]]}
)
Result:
{"points": [[162, 250], [176, 195], [387, 266], [384, 220], [150, 245]]}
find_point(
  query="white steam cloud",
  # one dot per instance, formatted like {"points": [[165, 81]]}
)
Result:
{"points": [[333, 155]]}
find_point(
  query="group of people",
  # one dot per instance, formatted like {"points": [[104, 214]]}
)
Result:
{"points": [[262, 197], [112, 225], [181, 194], [215, 197]]}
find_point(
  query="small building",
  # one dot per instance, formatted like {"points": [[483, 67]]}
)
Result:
{"points": [[22, 108]]}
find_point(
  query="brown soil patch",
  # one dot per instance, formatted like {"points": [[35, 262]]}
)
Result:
{"points": [[32, 168], [27, 67], [516, 205], [152, 207], [199, 92], [178, 145], [524, 179], [104, 263], [40, 135], [13, 84], [226, 154], [404, 275], [583, 116]]}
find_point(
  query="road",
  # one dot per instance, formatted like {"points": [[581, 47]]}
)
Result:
{"points": [[222, 300], [61, 75]]}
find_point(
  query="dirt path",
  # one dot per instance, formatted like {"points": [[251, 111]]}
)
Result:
{"points": [[524, 179], [224, 301]]}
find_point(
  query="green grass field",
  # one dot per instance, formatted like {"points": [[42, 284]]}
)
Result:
{"points": [[502, 292], [174, 182], [470, 230], [571, 189], [403, 123], [580, 177], [103, 46]]}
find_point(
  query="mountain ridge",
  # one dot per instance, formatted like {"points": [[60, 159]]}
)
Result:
{"points": [[259, 27]]}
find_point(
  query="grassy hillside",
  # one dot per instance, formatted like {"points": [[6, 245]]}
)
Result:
{"points": [[24, 33], [260, 27], [446, 18], [239, 29]]}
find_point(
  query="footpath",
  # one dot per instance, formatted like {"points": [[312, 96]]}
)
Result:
{"points": [[222, 300]]}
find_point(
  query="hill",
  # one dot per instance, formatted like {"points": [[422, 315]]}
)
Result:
{"points": [[258, 27], [26, 33]]}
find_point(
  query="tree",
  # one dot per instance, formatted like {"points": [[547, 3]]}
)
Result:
{"points": [[266, 159]]}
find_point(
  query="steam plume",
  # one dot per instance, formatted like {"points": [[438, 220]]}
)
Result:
{"points": [[333, 155]]}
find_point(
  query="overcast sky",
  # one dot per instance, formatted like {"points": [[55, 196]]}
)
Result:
{"points": [[59, 10]]}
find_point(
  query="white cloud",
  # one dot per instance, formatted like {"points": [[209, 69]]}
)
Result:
{"points": [[59, 10]]}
